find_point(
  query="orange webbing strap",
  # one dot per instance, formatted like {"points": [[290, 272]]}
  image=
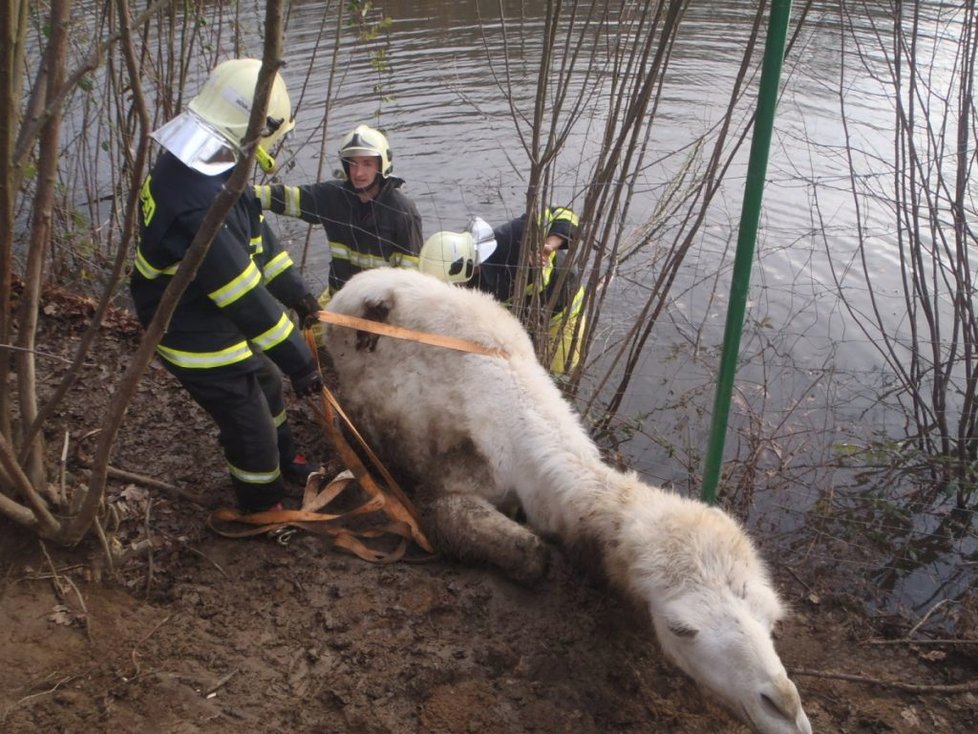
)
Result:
{"points": [[232, 524], [333, 409], [397, 505], [400, 332]]}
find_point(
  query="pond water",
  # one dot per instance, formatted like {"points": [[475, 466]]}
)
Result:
{"points": [[811, 379], [450, 119], [461, 75]]}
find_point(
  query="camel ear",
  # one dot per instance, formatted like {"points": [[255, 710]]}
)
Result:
{"points": [[374, 309], [377, 309]]}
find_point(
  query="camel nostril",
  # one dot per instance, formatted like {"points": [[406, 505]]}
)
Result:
{"points": [[768, 704]]}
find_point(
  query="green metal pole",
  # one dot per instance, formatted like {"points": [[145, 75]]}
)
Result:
{"points": [[767, 99]]}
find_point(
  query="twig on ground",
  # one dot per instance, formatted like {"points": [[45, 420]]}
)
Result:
{"points": [[149, 553], [106, 548], [930, 611], [135, 648], [58, 587], [185, 543], [59, 582], [797, 578], [898, 685], [37, 352], [145, 481], [25, 699], [208, 559], [909, 641], [63, 498], [212, 691], [156, 484], [86, 619]]}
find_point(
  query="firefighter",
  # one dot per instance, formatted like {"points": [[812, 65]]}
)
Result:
{"points": [[488, 259], [369, 222], [230, 334]]}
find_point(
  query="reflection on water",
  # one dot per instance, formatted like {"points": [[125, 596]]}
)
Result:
{"points": [[902, 560]]}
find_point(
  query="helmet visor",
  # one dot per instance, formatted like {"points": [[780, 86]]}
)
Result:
{"points": [[196, 144], [485, 239]]}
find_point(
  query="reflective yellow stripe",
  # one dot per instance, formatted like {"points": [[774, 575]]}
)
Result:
{"points": [[276, 266], [546, 272], [360, 259], [574, 311], [561, 214], [291, 196], [264, 196], [255, 246], [276, 335], [205, 360], [279, 419], [563, 335], [403, 260], [228, 294], [254, 477], [365, 261], [148, 271], [147, 201]]}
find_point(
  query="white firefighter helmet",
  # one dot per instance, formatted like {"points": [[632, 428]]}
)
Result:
{"points": [[364, 140], [208, 135], [453, 256]]}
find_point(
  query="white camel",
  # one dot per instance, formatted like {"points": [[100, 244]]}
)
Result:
{"points": [[477, 435]]}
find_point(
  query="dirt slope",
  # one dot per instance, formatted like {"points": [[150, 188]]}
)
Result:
{"points": [[208, 634]]}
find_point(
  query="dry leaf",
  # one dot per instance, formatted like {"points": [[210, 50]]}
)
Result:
{"points": [[63, 615]]}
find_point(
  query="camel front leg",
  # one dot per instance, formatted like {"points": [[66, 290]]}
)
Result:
{"points": [[472, 530]]}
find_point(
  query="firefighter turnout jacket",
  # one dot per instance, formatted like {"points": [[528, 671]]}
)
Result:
{"points": [[498, 276], [384, 231], [234, 305]]}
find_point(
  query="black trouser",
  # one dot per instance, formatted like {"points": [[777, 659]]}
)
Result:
{"points": [[250, 413]]}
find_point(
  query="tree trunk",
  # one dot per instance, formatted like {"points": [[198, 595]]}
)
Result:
{"points": [[13, 27], [49, 148]]}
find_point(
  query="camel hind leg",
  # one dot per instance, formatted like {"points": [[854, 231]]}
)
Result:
{"points": [[470, 529]]}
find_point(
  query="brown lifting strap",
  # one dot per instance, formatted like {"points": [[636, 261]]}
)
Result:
{"points": [[400, 332]]}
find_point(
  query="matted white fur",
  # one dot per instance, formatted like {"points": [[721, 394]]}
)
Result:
{"points": [[476, 434]]}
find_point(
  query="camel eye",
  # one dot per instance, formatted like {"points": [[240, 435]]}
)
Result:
{"points": [[682, 630]]}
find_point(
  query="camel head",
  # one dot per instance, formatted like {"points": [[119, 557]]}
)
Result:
{"points": [[722, 639]]}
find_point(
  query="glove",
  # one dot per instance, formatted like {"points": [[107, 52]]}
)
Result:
{"points": [[307, 308], [308, 384]]}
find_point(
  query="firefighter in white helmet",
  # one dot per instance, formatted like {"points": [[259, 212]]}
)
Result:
{"points": [[230, 334], [488, 259], [369, 222]]}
